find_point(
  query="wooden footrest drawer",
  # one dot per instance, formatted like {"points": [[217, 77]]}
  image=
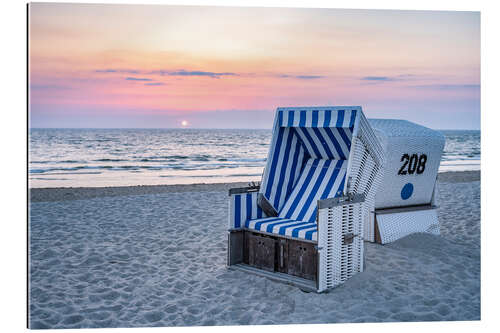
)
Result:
{"points": [[276, 254]]}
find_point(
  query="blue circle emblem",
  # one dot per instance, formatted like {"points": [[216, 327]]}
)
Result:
{"points": [[407, 191]]}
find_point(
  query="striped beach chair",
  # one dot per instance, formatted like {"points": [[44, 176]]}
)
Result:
{"points": [[305, 223]]}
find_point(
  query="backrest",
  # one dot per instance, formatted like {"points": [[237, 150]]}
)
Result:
{"points": [[301, 134], [319, 179]]}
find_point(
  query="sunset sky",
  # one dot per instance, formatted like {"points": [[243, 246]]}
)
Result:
{"points": [[229, 67]]}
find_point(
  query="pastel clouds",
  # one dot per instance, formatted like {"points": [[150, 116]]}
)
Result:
{"points": [[125, 60]]}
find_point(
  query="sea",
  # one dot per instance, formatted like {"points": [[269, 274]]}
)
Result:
{"points": [[126, 157]]}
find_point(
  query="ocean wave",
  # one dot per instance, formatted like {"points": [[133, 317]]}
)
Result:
{"points": [[110, 160], [461, 158], [164, 158], [250, 159], [185, 167], [44, 178], [59, 162], [71, 173], [41, 162], [221, 153], [212, 176]]}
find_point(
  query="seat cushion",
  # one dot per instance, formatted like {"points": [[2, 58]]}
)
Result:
{"points": [[285, 227], [319, 179]]}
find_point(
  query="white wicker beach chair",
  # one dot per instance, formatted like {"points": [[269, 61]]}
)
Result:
{"points": [[304, 223], [407, 201]]}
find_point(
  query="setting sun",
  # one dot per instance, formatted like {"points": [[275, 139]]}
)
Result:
{"points": [[184, 123]]}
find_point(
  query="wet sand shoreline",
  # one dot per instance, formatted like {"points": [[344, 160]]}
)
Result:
{"points": [[77, 193]]}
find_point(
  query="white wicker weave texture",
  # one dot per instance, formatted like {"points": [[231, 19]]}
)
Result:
{"points": [[367, 160], [395, 226], [413, 154], [339, 261]]}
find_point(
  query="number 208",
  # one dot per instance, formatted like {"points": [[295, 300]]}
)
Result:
{"points": [[412, 164]]}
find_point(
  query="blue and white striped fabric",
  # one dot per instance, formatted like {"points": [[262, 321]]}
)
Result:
{"points": [[242, 208], [287, 156], [300, 134], [334, 117], [320, 179], [325, 142], [285, 227]]}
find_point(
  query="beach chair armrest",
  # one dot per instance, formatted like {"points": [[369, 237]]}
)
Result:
{"points": [[240, 190], [340, 201], [340, 239], [243, 206]]}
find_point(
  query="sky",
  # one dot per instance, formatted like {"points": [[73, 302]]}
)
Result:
{"points": [[160, 66]]}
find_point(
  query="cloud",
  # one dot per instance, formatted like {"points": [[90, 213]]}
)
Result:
{"points": [[112, 70], [374, 79], [183, 72], [309, 77], [138, 79], [377, 78], [301, 77], [48, 87], [447, 86], [164, 72], [106, 71], [406, 76], [154, 84]]}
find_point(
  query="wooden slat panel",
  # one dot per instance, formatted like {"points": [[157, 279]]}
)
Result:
{"points": [[302, 260], [235, 248], [245, 246], [261, 252]]}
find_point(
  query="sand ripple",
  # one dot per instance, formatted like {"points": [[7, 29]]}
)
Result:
{"points": [[159, 260]]}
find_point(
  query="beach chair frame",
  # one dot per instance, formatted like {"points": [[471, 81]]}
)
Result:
{"points": [[342, 222]]}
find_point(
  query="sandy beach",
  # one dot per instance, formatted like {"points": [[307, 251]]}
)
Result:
{"points": [[155, 256]]}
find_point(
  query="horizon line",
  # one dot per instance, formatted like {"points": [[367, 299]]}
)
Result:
{"points": [[215, 128]]}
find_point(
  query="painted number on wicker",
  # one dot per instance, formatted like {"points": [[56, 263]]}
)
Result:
{"points": [[412, 164]]}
